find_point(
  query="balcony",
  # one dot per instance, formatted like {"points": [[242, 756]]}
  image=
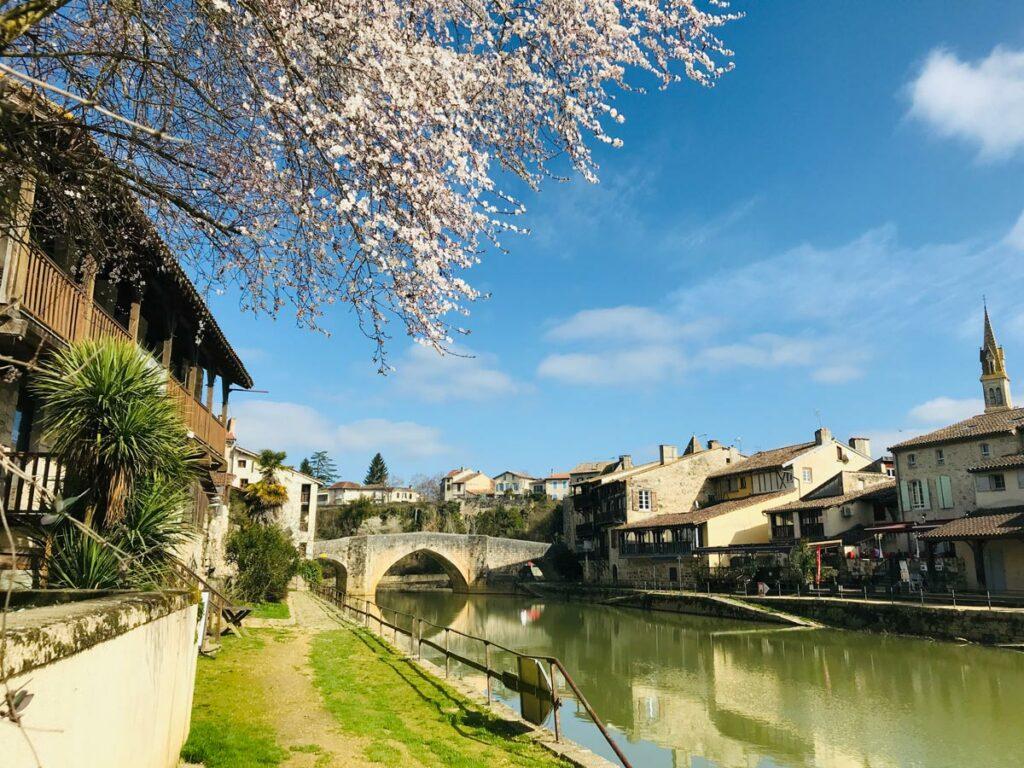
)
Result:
{"points": [[58, 303], [656, 549], [783, 534]]}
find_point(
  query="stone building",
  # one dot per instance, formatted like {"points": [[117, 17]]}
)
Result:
{"points": [[632, 494], [462, 482], [554, 486], [513, 483], [53, 292], [961, 487], [298, 514], [725, 516], [346, 491]]}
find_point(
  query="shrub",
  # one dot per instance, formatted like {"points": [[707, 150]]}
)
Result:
{"points": [[266, 561], [311, 572]]}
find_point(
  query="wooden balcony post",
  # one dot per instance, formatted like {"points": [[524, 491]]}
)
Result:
{"points": [[210, 376], [89, 269], [16, 243], [225, 388], [134, 313]]}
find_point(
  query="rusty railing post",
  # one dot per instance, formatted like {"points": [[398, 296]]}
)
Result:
{"points": [[487, 665], [554, 700], [446, 653]]}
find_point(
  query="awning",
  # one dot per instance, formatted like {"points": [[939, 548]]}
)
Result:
{"points": [[907, 526], [742, 549]]}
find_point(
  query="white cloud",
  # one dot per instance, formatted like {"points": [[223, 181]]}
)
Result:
{"points": [[981, 102], [614, 367], [624, 324], [946, 410], [300, 429], [837, 374], [428, 375], [763, 350]]}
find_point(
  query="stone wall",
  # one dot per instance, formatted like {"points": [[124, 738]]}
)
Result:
{"points": [[941, 623], [111, 680]]}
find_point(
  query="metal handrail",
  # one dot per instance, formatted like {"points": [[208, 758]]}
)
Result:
{"points": [[509, 679]]}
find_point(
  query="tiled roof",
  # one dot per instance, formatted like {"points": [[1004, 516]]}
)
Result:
{"points": [[977, 426], [999, 462], [877, 492], [702, 515], [558, 476], [515, 473], [344, 485], [591, 466], [776, 457], [983, 524]]}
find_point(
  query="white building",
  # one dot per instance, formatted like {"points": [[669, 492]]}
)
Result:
{"points": [[345, 491], [298, 514]]}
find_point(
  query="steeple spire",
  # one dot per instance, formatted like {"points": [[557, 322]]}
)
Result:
{"points": [[995, 383]]}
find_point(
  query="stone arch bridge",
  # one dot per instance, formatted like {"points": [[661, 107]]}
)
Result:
{"points": [[467, 559]]}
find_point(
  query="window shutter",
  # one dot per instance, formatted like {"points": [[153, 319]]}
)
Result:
{"points": [[634, 499], [654, 502], [924, 494], [904, 496], [945, 492], [981, 482]]}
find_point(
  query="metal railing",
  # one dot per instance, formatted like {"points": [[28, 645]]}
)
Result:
{"points": [[511, 680]]}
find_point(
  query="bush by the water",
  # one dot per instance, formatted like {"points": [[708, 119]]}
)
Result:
{"points": [[266, 559]]}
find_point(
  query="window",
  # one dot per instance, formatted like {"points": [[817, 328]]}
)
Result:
{"points": [[911, 459], [743, 483], [940, 456], [986, 450], [242, 463], [990, 482], [243, 482], [644, 501], [917, 495], [1020, 478], [808, 475]]}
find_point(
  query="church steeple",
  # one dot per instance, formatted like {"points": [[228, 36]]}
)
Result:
{"points": [[995, 383]]}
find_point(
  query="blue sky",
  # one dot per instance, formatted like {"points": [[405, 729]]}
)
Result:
{"points": [[808, 240]]}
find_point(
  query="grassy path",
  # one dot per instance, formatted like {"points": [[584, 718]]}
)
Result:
{"points": [[320, 695]]}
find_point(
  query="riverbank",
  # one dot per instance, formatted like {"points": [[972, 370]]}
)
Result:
{"points": [[995, 626], [321, 694]]}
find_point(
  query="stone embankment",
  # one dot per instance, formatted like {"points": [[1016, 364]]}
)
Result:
{"points": [[989, 626]]}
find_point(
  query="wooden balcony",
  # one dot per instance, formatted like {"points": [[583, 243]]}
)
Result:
{"points": [[58, 303], [203, 425]]}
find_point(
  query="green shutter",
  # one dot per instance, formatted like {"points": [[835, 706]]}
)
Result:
{"points": [[924, 494], [945, 492], [904, 496]]}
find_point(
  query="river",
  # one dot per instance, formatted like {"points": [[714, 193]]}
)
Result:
{"points": [[692, 691]]}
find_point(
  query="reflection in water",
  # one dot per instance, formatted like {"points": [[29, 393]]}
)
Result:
{"points": [[694, 691]]}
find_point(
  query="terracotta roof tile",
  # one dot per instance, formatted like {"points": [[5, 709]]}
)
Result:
{"points": [[776, 457], [999, 462], [983, 524], [879, 491], [976, 426], [703, 514]]}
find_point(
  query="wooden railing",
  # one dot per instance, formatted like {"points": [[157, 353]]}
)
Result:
{"points": [[57, 301], [22, 497], [203, 424]]}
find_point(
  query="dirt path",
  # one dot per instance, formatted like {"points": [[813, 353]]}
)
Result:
{"points": [[303, 725]]}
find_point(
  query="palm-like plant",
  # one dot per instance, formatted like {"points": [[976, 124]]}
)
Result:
{"points": [[267, 493], [107, 416]]}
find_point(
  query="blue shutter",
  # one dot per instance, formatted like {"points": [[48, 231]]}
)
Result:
{"points": [[904, 496], [924, 494]]}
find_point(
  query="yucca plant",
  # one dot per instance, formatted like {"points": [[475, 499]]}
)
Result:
{"points": [[107, 416], [127, 459]]}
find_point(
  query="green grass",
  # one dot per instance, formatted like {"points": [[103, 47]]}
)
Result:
{"points": [[230, 724], [270, 611], [375, 694]]}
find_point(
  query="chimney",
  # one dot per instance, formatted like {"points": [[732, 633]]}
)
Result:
{"points": [[667, 453], [822, 435], [626, 462], [712, 444], [861, 445]]}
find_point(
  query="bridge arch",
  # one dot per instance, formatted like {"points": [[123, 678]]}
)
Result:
{"points": [[458, 579], [335, 573]]}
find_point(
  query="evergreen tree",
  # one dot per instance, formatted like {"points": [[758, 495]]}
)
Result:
{"points": [[377, 474], [322, 467], [306, 468]]}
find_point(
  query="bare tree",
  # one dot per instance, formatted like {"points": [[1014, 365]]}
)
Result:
{"points": [[320, 152]]}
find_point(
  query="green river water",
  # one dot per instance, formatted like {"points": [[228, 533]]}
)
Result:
{"points": [[693, 691]]}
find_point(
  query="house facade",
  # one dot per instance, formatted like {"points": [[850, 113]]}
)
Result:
{"points": [[298, 514], [626, 494], [729, 515], [554, 486], [53, 293], [512, 483], [345, 491], [961, 487], [462, 482]]}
